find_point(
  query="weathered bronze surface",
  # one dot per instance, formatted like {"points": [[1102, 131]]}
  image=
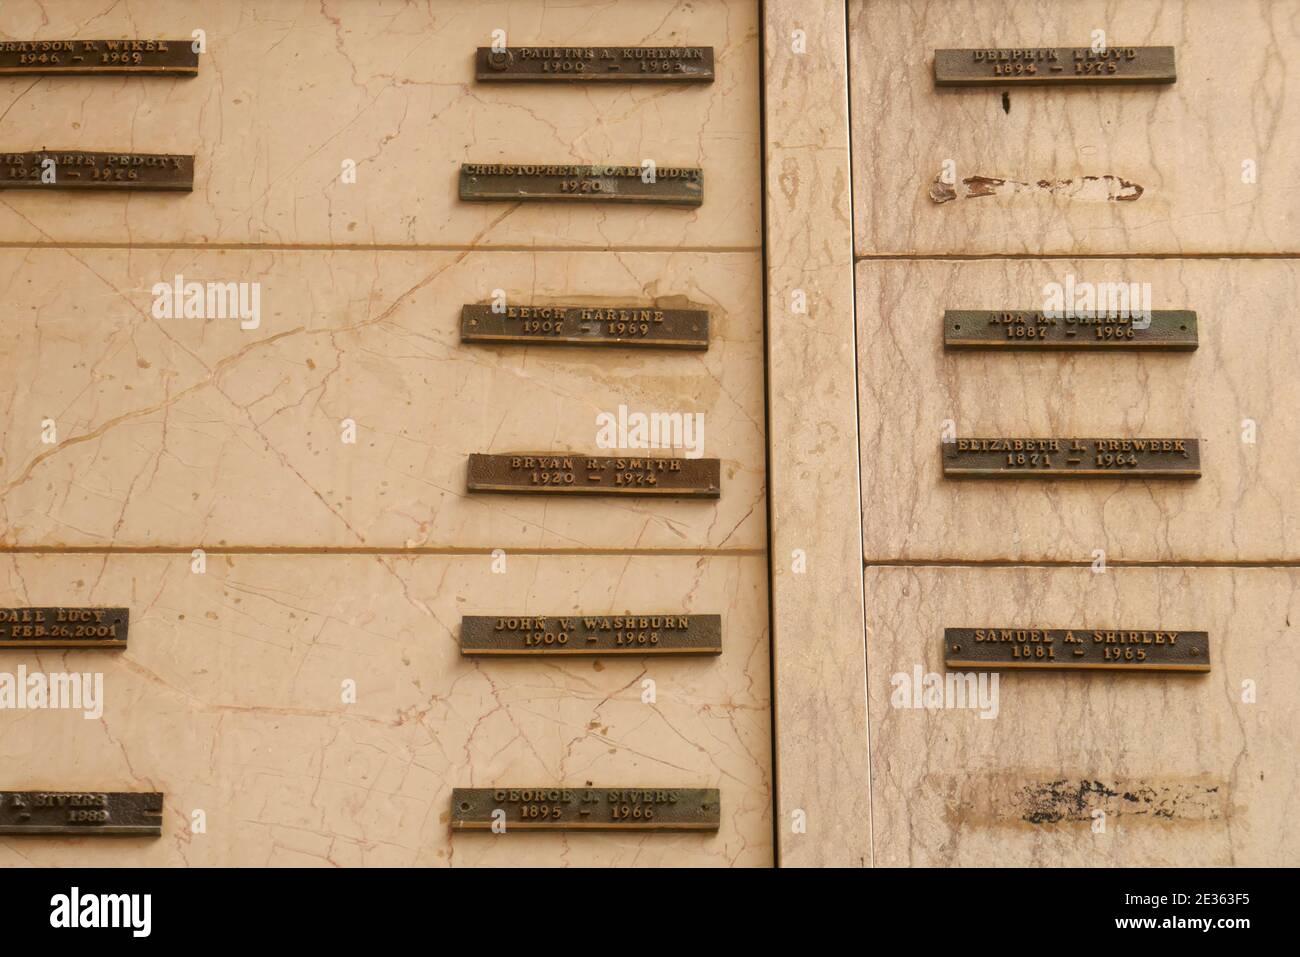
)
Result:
{"points": [[63, 627], [639, 326], [565, 473], [511, 182], [1013, 458], [1067, 649], [92, 57], [586, 809], [78, 169], [1038, 66], [591, 635], [595, 64], [1166, 329], [114, 813]]}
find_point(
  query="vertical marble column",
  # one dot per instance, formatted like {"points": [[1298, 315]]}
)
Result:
{"points": [[823, 801]]}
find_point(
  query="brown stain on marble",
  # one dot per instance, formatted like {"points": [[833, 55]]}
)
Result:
{"points": [[1107, 188], [1027, 800], [942, 192], [982, 186]]}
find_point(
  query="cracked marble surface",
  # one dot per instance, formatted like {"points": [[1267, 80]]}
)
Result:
{"points": [[179, 433], [228, 698], [1184, 144], [1245, 506], [1186, 772], [186, 432], [289, 89]]}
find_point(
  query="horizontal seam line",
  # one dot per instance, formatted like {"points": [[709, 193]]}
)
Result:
{"points": [[362, 551], [382, 247], [961, 257], [1079, 563]]}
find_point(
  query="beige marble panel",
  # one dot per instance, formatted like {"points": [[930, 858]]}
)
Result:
{"points": [[1185, 145], [1200, 776], [823, 799], [290, 89], [1246, 505], [183, 432], [228, 698]]}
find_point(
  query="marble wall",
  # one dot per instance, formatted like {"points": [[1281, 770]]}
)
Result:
{"points": [[1079, 768], [230, 699], [1052, 170], [1087, 769], [203, 473], [1236, 393], [132, 440]]}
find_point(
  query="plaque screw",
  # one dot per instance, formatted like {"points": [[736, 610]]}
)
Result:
{"points": [[956, 647], [464, 805]]}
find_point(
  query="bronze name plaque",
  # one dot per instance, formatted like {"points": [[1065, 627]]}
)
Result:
{"points": [[63, 627], [1074, 458], [1070, 648], [92, 57], [1164, 329], [595, 64], [119, 813], [567, 474], [510, 182], [77, 169], [1038, 66], [585, 809], [591, 635], [640, 326]]}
